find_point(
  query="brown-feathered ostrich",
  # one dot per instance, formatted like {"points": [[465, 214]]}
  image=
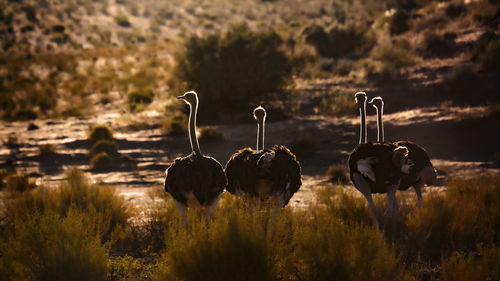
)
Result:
{"points": [[265, 174], [376, 167], [196, 179], [422, 172]]}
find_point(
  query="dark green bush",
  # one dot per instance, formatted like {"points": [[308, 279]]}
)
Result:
{"points": [[100, 132], [47, 149], [337, 173], [338, 42], [101, 162], [122, 20], [435, 45], [399, 22], [104, 145], [18, 183], [232, 72], [210, 134], [139, 97], [487, 50]]}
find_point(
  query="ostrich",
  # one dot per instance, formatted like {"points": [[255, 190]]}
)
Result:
{"points": [[271, 173], [196, 179], [376, 167], [422, 172]]}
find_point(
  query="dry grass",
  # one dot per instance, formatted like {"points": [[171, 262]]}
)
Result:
{"points": [[454, 235]]}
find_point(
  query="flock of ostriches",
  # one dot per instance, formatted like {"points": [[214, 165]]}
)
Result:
{"points": [[275, 175]]}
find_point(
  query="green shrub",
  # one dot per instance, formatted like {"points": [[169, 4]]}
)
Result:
{"points": [[122, 20], [139, 97], [100, 132], [399, 22], [104, 145], [487, 51], [230, 249], [176, 125], [393, 57], [47, 149], [232, 72], [465, 218], [435, 45], [101, 162], [210, 134], [454, 10], [18, 183], [337, 173], [338, 42], [50, 247], [338, 105], [464, 266]]}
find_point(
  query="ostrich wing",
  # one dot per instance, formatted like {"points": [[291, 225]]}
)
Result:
{"points": [[285, 171], [202, 176], [241, 172]]}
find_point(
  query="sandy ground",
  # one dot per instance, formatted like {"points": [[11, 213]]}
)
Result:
{"points": [[460, 140]]}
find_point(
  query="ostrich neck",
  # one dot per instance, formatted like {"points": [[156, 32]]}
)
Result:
{"points": [[260, 135], [193, 109], [362, 133], [380, 124]]}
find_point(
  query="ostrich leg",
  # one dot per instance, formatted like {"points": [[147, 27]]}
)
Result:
{"points": [[365, 189]]}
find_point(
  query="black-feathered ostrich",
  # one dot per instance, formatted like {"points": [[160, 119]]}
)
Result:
{"points": [[422, 172], [376, 167], [265, 174], [196, 179]]}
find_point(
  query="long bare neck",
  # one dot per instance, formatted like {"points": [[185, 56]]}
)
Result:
{"points": [[193, 109], [260, 134], [362, 114], [380, 124]]}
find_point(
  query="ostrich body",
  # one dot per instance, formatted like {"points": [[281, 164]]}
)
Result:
{"points": [[376, 167], [422, 172], [271, 173], [196, 179]]}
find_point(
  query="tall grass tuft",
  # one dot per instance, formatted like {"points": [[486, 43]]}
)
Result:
{"points": [[61, 233], [245, 243], [48, 246]]}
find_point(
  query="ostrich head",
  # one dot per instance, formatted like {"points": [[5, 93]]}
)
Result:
{"points": [[360, 98], [259, 113], [376, 102], [189, 97]]}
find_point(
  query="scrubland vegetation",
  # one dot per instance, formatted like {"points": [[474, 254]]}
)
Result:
{"points": [[236, 55], [88, 229], [61, 59]]}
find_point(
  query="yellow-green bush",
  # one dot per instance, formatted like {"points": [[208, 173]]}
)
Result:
{"points": [[244, 243], [101, 162], [176, 125], [100, 132], [47, 246], [58, 233], [338, 105], [462, 266], [47, 149], [104, 145]]}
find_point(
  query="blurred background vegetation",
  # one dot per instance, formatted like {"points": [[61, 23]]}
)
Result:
{"points": [[69, 57]]}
